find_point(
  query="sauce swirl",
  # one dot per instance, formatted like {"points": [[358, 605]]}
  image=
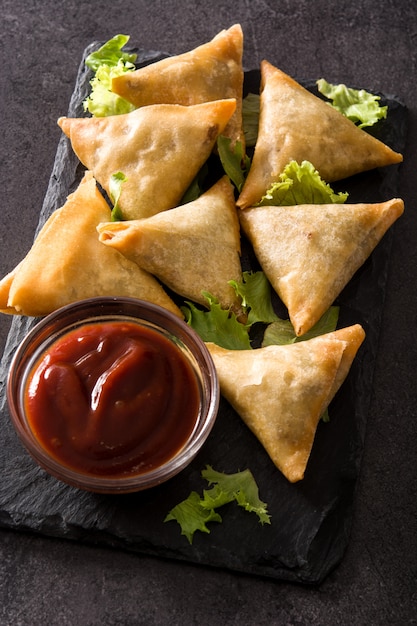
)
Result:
{"points": [[112, 399]]}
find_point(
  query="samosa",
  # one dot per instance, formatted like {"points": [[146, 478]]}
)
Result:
{"points": [[68, 263], [212, 71], [296, 125], [158, 148], [192, 248], [309, 252], [280, 392]]}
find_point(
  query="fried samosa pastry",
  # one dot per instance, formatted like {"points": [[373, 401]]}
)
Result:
{"points": [[212, 71], [294, 124], [281, 392], [68, 263], [191, 248], [158, 148], [310, 252], [5, 285]]}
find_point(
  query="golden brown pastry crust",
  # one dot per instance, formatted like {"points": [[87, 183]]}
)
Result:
{"points": [[68, 263], [310, 252], [294, 124], [192, 248], [159, 148], [5, 284], [212, 71], [280, 392]]}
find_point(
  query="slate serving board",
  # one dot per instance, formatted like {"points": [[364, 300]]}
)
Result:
{"points": [[311, 520]]}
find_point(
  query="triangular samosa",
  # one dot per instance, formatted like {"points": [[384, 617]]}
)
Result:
{"points": [[212, 71], [191, 248], [68, 263], [159, 149], [309, 252], [281, 392], [294, 124]]}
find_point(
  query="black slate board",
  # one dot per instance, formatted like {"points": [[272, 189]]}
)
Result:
{"points": [[311, 520]]}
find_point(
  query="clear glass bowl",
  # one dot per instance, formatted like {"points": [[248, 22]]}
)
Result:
{"points": [[73, 316]]}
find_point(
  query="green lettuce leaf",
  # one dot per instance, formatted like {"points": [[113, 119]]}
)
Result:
{"points": [[235, 163], [301, 184], [240, 487], [217, 325], [250, 118], [115, 189], [108, 62], [102, 101], [110, 54], [281, 332], [255, 291], [191, 516], [360, 106], [221, 326], [196, 512]]}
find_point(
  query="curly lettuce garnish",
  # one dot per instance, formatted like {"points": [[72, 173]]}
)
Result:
{"points": [[255, 291], [195, 512], [360, 106], [111, 53], [222, 327], [108, 62], [301, 184], [217, 325]]}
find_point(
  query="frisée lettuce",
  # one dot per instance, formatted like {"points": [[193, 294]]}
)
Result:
{"points": [[250, 116], [255, 291], [222, 327], [111, 53], [195, 512], [360, 106], [301, 184], [217, 325], [108, 62]]}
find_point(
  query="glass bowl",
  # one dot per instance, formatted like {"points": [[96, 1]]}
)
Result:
{"points": [[105, 468]]}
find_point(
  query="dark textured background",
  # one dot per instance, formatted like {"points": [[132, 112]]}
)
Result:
{"points": [[362, 43]]}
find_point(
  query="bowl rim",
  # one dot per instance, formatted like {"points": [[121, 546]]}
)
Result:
{"points": [[167, 321]]}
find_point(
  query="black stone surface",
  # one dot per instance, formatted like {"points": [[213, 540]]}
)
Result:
{"points": [[52, 581]]}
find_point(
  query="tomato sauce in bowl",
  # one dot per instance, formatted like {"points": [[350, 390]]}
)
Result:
{"points": [[109, 399], [113, 396]]}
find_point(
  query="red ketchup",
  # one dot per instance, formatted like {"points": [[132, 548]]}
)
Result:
{"points": [[112, 399]]}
